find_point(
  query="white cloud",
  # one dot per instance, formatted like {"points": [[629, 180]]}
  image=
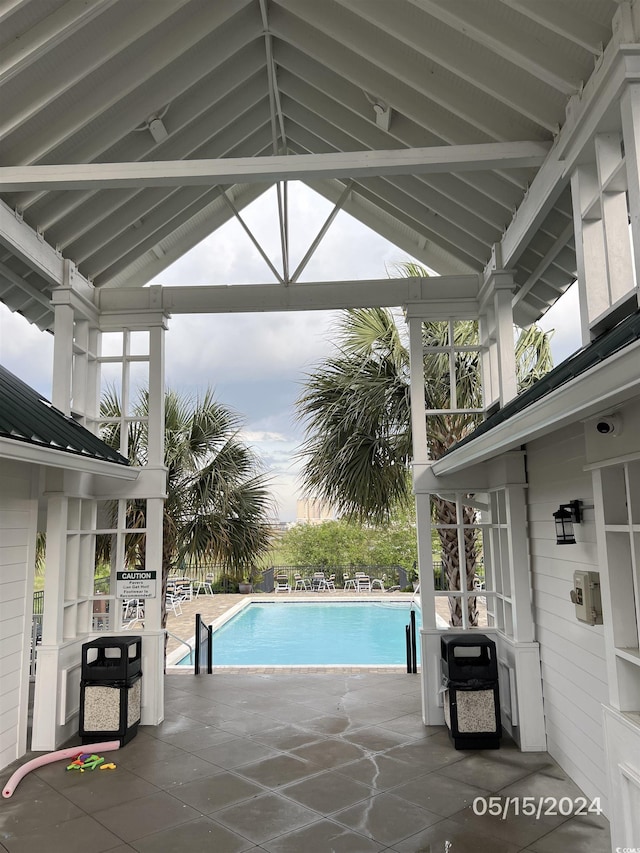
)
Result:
{"points": [[257, 436], [564, 319], [26, 351]]}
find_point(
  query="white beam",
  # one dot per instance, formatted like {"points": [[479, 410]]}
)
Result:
{"points": [[32, 249], [24, 242], [443, 294], [416, 161]]}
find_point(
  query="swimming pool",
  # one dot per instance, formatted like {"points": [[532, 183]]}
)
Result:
{"points": [[335, 633]]}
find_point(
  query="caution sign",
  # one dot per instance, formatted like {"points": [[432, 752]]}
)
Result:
{"points": [[136, 584]]}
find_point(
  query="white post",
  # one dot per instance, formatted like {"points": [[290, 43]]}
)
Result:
{"points": [[503, 287], [630, 112], [154, 635], [523, 652]]}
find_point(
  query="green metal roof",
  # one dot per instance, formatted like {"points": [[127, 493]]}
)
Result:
{"points": [[26, 416], [625, 333]]}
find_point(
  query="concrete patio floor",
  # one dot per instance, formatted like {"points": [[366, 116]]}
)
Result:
{"points": [[294, 763]]}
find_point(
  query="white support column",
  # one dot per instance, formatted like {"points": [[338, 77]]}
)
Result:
{"points": [[45, 733], [503, 288], [154, 636], [615, 217], [418, 404], [489, 357], [630, 113], [605, 189], [432, 714], [63, 358], [523, 653]]}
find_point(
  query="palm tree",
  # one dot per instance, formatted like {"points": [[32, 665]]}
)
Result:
{"points": [[356, 408], [218, 503]]}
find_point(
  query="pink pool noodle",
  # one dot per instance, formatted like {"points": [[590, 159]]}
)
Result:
{"points": [[41, 760]]}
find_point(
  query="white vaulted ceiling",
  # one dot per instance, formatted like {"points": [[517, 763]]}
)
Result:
{"points": [[82, 82]]}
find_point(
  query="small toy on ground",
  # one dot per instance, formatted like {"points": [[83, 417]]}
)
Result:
{"points": [[86, 761]]}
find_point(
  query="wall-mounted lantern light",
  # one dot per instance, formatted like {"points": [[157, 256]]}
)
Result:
{"points": [[565, 517]]}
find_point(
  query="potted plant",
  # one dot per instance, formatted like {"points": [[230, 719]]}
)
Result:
{"points": [[246, 584]]}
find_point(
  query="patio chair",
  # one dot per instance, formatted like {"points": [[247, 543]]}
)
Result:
{"points": [[347, 582], [301, 583], [282, 584], [378, 583], [181, 588], [132, 612], [330, 582], [318, 581], [363, 583], [173, 603], [202, 586]]}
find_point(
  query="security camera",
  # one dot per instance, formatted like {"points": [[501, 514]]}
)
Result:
{"points": [[609, 425]]}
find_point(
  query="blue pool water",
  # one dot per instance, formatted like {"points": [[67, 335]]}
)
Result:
{"points": [[309, 633]]}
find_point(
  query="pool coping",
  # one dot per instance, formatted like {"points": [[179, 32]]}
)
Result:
{"points": [[172, 667]]}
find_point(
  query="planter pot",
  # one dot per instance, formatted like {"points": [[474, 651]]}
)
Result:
{"points": [[245, 588]]}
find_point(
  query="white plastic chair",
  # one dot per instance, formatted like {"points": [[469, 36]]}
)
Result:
{"points": [[301, 583], [202, 586], [347, 582], [282, 584], [173, 603], [132, 612]]}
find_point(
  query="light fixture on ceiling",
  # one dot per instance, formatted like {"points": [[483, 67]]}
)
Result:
{"points": [[565, 517], [383, 114], [157, 129]]}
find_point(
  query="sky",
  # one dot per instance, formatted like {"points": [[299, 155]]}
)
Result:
{"points": [[256, 363]]}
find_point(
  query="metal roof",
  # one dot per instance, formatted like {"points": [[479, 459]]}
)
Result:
{"points": [[26, 416], [112, 81]]}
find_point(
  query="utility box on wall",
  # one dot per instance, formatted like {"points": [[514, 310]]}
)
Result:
{"points": [[111, 689], [586, 597]]}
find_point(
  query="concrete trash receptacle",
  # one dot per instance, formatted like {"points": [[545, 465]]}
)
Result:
{"points": [[111, 689], [469, 670]]}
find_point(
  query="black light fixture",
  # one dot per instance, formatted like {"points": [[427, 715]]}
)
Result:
{"points": [[565, 517]]}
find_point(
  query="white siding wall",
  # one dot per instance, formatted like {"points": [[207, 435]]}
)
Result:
{"points": [[18, 516], [572, 653]]}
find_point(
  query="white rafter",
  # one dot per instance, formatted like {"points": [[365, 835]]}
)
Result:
{"points": [[46, 35], [478, 23]]}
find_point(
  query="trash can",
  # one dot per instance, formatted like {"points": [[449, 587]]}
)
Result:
{"points": [[111, 689], [469, 669]]}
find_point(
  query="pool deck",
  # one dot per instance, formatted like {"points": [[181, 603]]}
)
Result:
{"points": [[290, 762]]}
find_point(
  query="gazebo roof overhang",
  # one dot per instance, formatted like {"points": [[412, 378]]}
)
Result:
{"points": [[130, 132]]}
